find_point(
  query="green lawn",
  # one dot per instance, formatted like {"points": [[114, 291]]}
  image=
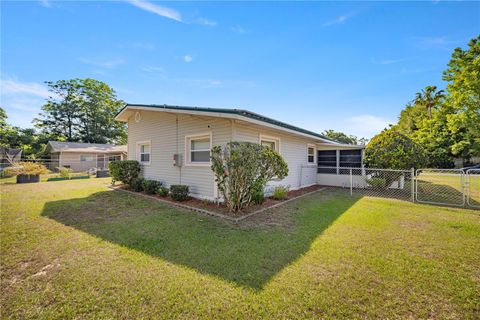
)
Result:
{"points": [[72, 249]]}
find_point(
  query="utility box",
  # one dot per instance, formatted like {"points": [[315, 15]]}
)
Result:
{"points": [[177, 160]]}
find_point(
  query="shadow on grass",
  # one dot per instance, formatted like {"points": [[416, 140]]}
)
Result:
{"points": [[431, 191], [248, 254]]}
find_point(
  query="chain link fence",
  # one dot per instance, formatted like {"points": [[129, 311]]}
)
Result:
{"points": [[473, 188], [449, 187]]}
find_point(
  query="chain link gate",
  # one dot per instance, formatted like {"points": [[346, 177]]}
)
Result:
{"points": [[440, 187], [473, 188]]}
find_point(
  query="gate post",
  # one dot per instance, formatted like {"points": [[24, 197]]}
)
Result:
{"points": [[351, 182], [412, 183]]}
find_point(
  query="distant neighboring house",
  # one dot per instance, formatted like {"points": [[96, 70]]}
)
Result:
{"points": [[173, 143], [83, 156]]}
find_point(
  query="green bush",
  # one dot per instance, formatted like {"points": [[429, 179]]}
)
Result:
{"points": [[125, 171], [377, 182], [242, 169], [65, 172], [280, 193], [179, 192], [26, 168], [151, 186], [137, 184], [257, 192], [162, 191]]}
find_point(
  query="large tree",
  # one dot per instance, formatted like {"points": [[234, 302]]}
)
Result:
{"points": [[82, 110], [463, 76], [343, 137]]}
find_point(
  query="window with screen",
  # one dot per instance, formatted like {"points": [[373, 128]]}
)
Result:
{"points": [[350, 159], [198, 149], [86, 157], [311, 155], [143, 149]]}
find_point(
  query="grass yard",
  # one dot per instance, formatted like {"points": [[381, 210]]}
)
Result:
{"points": [[72, 249]]}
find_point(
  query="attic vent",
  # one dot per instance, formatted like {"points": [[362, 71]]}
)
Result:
{"points": [[137, 116]]}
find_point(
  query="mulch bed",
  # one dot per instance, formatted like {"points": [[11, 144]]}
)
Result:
{"points": [[222, 210]]}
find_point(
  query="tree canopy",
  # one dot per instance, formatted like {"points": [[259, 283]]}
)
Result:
{"points": [[394, 150], [343, 138], [82, 110]]}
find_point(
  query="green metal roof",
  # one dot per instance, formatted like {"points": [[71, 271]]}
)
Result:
{"points": [[244, 113]]}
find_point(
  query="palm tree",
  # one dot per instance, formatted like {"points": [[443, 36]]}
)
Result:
{"points": [[430, 98]]}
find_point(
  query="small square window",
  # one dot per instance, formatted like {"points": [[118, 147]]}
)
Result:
{"points": [[86, 157], [198, 149], [311, 154], [144, 152]]}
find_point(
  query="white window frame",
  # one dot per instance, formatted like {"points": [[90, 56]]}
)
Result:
{"points": [[273, 139], [309, 145], [92, 156], [188, 144], [142, 143]]}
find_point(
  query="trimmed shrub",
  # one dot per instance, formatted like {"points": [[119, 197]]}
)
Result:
{"points": [[26, 168], [124, 171], [162, 191], [137, 184], [65, 173], [151, 186], [280, 193], [242, 169], [179, 192]]}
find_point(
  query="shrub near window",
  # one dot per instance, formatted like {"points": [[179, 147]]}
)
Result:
{"points": [[151, 186], [125, 171], [242, 169], [179, 192]]}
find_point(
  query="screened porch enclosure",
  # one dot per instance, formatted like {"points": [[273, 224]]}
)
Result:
{"points": [[332, 161]]}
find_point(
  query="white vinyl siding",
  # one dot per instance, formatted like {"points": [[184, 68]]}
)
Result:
{"points": [[292, 149], [167, 138]]}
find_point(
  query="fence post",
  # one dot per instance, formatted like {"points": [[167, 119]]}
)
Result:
{"points": [[412, 183], [351, 182]]}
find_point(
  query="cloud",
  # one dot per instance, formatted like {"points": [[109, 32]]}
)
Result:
{"points": [[105, 63], [15, 87], [391, 61], [339, 20], [368, 124], [188, 58], [238, 29], [156, 9], [152, 69], [45, 3], [441, 42], [144, 45], [207, 22]]}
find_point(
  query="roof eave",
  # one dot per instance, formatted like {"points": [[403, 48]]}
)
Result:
{"points": [[220, 113]]}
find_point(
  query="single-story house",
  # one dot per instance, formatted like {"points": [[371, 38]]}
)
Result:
{"points": [[172, 143], [83, 156]]}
